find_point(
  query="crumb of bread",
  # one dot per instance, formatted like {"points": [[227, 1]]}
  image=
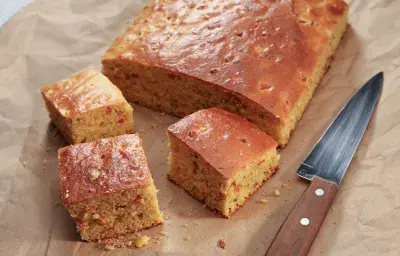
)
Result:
{"points": [[186, 225], [142, 241], [188, 238], [94, 173], [264, 200], [109, 247], [24, 163], [163, 233], [45, 161], [222, 243], [277, 193], [170, 201]]}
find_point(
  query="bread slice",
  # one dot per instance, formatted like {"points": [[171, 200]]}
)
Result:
{"points": [[259, 59], [107, 187], [87, 107], [220, 158]]}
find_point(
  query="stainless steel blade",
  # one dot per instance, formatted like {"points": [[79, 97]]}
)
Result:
{"points": [[334, 151]]}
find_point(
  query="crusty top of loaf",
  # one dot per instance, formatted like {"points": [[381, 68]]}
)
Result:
{"points": [[90, 170], [84, 91], [224, 140], [264, 50]]}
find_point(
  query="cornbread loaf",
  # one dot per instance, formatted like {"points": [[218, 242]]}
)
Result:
{"points": [[107, 187], [259, 59], [220, 158], [87, 107]]}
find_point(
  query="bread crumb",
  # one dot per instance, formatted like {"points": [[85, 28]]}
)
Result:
{"points": [[188, 238], [186, 225], [45, 161], [109, 247], [142, 241], [129, 243], [166, 217], [94, 173], [277, 193], [163, 233], [170, 201], [222, 243], [264, 200], [24, 163]]}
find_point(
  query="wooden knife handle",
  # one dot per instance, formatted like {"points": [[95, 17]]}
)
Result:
{"points": [[301, 226]]}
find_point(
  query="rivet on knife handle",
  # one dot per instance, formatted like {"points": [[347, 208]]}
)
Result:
{"points": [[301, 226]]}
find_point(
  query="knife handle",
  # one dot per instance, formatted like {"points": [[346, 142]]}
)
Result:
{"points": [[301, 226]]}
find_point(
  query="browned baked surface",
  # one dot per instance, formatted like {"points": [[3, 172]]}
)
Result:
{"points": [[220, 158], [107, 187], [254, 58], [87, 106], [224, 140], [89, 170]]}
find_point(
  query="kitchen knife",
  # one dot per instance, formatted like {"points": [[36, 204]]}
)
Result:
{"points": [[325, 167]]}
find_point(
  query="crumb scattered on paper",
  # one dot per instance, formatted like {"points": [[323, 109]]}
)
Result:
{"points": [[264, 200], [222, 243], [277, 193], [109, 247], [186, 225], [142, 241], [188, 238]]}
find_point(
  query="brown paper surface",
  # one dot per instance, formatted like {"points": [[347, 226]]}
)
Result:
{"points": [[50, 40]]}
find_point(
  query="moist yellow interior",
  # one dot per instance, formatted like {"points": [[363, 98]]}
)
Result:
{"points": [[289, 124], [247, 180], [118, 213], [203, 182], [95, 124]]}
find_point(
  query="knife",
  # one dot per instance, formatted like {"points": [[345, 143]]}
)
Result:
{"points": [[325, 167]]}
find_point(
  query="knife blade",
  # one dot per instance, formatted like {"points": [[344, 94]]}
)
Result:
{"points": [[325, 167]]}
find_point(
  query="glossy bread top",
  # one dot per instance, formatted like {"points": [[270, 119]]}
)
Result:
{"points": [[90, 170], [265, 50], [82, 92], [224, 140]]}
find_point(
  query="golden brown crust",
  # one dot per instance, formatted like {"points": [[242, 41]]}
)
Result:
{"points": [[81, 93], [263, 50], [224, 140], [90, 170]]}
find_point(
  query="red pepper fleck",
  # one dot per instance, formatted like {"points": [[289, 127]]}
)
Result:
{"points": [[108, 110], [81, 224], [123, 153], [103, 220], [137, 199], [237, 189], [91, 207], [121, 121]]}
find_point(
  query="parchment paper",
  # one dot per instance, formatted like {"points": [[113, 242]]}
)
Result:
{"points": [[51, 39]]}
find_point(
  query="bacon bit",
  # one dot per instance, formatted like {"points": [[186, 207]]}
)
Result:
{"points": [[121, 121], [237, 189], [259, 163], [108, 110], [137, 199], [222, 243]]}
